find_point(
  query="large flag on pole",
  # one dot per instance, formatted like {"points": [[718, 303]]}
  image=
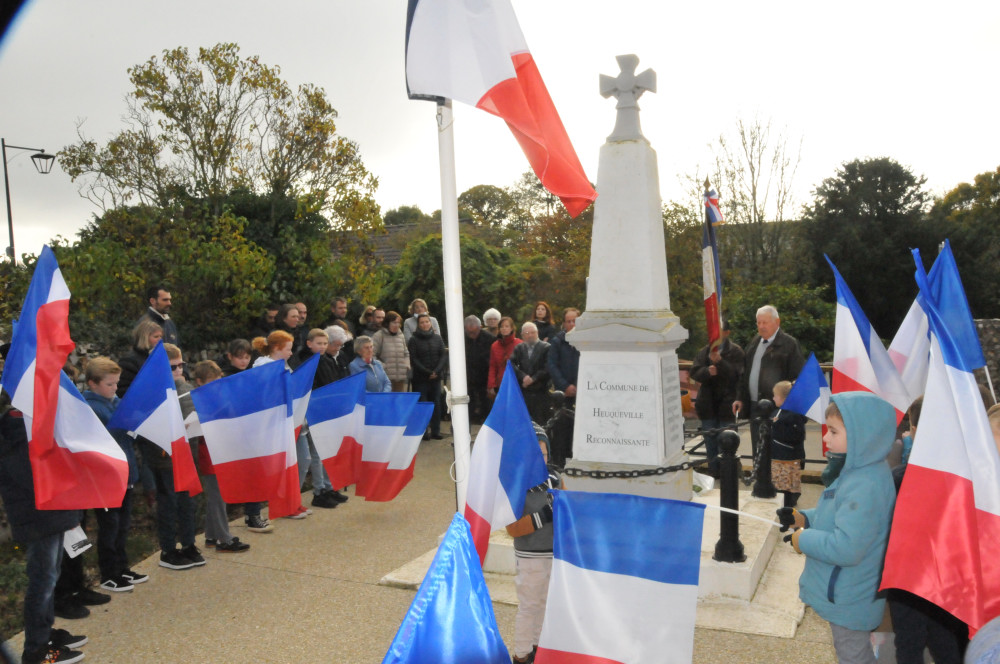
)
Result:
{"points": [[75, 463], [710, 271], [246, 419], [615, 600], [475, 52], [150, 409], [451, 617], [506, 462], [860, 361], [336, 417], [946, 526]]}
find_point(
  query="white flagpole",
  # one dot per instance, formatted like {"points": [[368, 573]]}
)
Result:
{"points": [[455, 316]]}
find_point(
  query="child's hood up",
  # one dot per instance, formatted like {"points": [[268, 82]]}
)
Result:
{"points": [[870, 424]]}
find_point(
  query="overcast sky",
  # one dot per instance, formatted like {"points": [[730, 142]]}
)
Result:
{"points": [[911, 81]]}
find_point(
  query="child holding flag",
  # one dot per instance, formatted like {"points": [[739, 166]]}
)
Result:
{"points": [[845, 537], [788, 437], [532, 535], [113, 524]]}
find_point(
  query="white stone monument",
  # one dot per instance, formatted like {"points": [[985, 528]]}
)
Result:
{"points": [[628, 405]]}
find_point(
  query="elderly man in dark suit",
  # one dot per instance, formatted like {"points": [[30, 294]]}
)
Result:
{"points": [[531, 364], [771, 357]]}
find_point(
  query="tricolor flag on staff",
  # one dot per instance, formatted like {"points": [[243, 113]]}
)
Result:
{"points": [[246, 419], [810, 394], [403, 458], [451, 617], [860, 361], [475, 52], [624, 585], [300, 384], [386, 417], [336, 417], [946, 526], [75, 463], [506, 462], [710, 270], [150, 409]]}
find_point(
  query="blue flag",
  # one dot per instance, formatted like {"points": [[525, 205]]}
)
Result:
{"points": [[451, 618]]}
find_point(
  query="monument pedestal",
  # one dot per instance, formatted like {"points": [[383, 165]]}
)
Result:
{"points": [[628, 410]]}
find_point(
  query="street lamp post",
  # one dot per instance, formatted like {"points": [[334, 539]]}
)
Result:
{"points": [[43, 164]]}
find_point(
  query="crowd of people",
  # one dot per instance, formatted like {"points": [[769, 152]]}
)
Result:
{"points": [[394, 354]]}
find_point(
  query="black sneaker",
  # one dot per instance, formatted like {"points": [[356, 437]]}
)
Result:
{"points": [[232, 546], [258, 524], [118, 584], [325, 500], [134, 577], [338, 496], [60, 638], [89, 597], [70, 609], [174, 560], [193, 554], [52, 655]]}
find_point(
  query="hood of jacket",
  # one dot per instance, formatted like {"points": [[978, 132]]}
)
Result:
{"points": [[870, 424]]}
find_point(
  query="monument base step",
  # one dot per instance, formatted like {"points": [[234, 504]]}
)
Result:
{"points": [[758, 596]]}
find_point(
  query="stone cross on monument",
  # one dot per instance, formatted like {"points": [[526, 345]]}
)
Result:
{"points": [[627, 87], [628, 410]]}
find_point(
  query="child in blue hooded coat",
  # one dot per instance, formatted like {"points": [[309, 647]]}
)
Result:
{"points": [[845, 536]]}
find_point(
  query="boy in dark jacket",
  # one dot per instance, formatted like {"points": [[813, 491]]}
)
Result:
{"points": [[41, 531], [113, 524]]}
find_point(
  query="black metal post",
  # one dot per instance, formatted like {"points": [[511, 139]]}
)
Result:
{"points": [[43, 164], [763, 487], [729, 548]]}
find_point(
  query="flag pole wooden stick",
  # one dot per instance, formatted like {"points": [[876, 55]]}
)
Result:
{"points": [[455, 317]]}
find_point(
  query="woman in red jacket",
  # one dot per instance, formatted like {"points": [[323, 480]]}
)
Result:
{"points": [[500, 352]]}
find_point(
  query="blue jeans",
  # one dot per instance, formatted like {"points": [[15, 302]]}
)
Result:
{"points": [[42, 564], [174, 512], [309, 460]]}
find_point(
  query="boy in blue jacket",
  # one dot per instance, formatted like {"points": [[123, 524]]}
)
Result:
{"points": [[113, 524], [845, 537]]}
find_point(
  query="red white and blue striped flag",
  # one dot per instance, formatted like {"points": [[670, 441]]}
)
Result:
{"points": [[622, 600], [475, 52], [75, 463], [150, 409], [710, 271], [860, 361], [506, 461], [946, 526], [810, 394], [336, 417]]}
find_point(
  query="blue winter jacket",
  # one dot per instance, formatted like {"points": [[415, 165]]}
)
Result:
{"points": [[375, 378], [847, 532], [105, 408]]}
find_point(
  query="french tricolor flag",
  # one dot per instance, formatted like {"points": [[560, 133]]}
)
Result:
{"points": [[150, 409], [336, 415], [810, 394], [386, 416], [860, 361], [75, 463], [246, 419], [622, 600], [506, 461], [475, 52], [403, 456], [946, 526], [710, 271], [300, 384]]}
